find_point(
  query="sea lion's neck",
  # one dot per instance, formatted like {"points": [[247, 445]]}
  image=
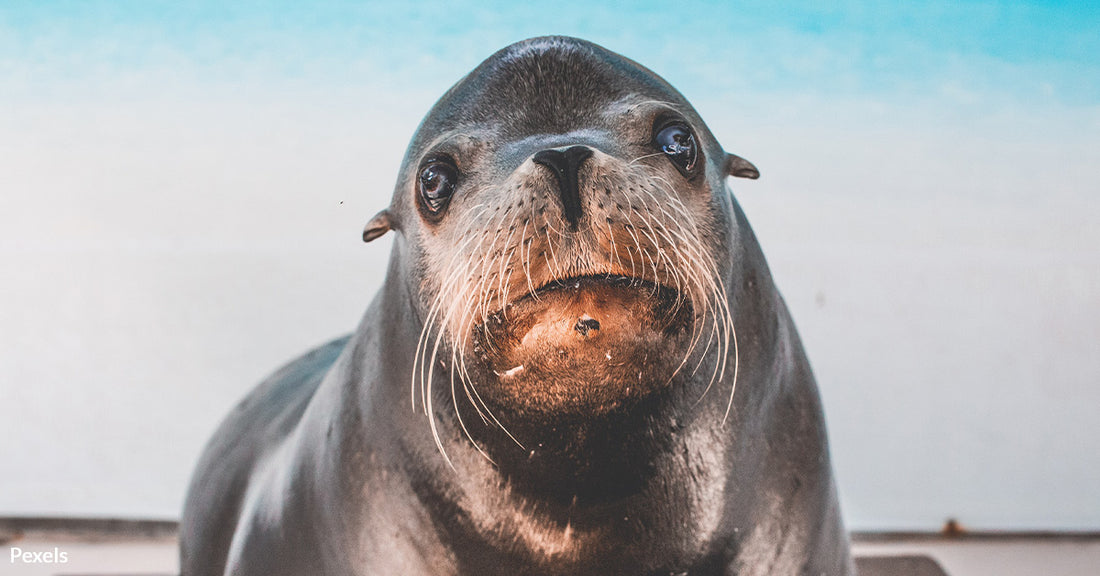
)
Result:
{"points": [[492, 518]]}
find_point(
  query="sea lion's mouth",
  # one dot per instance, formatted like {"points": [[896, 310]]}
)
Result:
{"points": [[582, 309], [596, 281], [583, 344]]}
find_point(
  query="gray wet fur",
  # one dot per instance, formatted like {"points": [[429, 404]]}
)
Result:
{"points": [[325, 468]]}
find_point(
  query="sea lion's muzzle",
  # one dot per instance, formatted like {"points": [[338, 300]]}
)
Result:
{"points": [[592, 289], [582, 345]]}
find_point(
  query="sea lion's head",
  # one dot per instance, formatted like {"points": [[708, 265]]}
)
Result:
{"points": [[568, 217]]}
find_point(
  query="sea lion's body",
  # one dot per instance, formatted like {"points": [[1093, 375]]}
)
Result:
{"points": [[537, 455]]}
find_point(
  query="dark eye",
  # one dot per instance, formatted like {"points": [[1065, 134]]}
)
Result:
{"points": [[437, 184], [677, 142]]}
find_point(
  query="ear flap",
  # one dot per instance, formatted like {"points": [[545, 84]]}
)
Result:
{"points": [[379, 225], [741, 168]]}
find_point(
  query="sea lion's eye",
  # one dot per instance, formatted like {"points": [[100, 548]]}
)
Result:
{"points": [[678, 143], [437, 184]]}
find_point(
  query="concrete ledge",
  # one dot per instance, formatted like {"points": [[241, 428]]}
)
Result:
{"points": [[158, 529], [898, 566], [98, 547], [87, 529]]}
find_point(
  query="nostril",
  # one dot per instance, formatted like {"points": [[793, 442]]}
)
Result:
{"points": [[577, 154], [565, 165], [552, 159]]}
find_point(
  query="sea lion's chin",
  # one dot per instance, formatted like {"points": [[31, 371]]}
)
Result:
{"points": [[582, 347]]}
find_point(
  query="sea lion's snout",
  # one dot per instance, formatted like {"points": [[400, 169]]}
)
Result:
{"points": [[585, 266]]}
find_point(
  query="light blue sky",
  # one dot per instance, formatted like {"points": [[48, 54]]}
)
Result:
{"points": [[1036, 52]]}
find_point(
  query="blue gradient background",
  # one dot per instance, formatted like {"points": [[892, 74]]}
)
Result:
{"points": [[181, 186], [1034, 52]]}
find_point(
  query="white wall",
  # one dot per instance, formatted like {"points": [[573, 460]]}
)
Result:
{"points": [[945, 278]]}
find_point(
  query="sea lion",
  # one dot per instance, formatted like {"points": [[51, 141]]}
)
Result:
{"points": [[577, 364]]}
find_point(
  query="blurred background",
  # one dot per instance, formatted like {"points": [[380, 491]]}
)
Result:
{"points": [[183, 187]]}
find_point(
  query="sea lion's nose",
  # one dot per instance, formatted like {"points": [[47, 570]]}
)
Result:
{"points": [[565, 164]]}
